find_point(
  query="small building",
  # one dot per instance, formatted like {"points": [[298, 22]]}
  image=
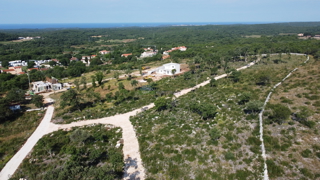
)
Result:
{"points": [[74, 59], [166, 69], [300, 35], [14, 107], [126, 55], [16, 70], [104, 52], [41, 86]]}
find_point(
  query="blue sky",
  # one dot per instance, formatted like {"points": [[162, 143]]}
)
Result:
{"points": [[137, 11]]}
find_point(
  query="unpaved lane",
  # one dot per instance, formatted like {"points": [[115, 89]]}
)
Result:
{"points": [[16, 160]]}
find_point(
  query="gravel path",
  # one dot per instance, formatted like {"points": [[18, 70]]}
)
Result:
{"points": [[17, 159]]}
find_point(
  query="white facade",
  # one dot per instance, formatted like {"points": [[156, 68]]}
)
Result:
{"points": [[40, 86], [167, 68]]}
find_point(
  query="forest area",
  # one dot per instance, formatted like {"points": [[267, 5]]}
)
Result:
{"points": [[210, 133]]}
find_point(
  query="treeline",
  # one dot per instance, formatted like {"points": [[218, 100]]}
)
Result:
{"points": [[8, 37]]}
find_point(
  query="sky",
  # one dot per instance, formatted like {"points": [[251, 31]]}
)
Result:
{"points": [[142, 11]]}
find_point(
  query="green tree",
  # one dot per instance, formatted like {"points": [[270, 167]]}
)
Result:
{"points": [[31, 64], [116, 75], [37, 100], [99, 77], [93, 78], [84, 82], [52, 63], [215, 133], [173, 71], [16, 95], [121, 86], [162, 103], [279, 113], [213, 82], [134, 83], [244, 97], [5, 111], [205, 110], [254, 106], [77, 83], [70, 98]]}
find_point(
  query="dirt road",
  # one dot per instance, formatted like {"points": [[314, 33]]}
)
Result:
{"points": [[16, 160]]}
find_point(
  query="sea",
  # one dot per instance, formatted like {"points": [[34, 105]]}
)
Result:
{"points": [[114, 25]]}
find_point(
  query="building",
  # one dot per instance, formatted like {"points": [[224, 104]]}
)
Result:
{"points": [[126, 55], [166, 69], [41, 86], [104, 52], [73, 59], [16, 70], [148, 54]]}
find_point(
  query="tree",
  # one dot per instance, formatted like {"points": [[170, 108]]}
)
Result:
{"points": [[173, 71], [16, 95], [84, 82], [52, 63], [77, 83], [5, 111], [244, 98], [235, 75], [162, 103], [116, 75], [254, 106], [121, 86], [205, 110], [215, 133], [31, 64], [37, 100], [149, 80], [134, 83], [99, 77], [213, 82], [279, 113], [192, 68], [93, 78], [70, 98]]}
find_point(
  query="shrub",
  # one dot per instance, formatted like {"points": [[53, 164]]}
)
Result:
{"points": [[306, 153], [279, 113]]}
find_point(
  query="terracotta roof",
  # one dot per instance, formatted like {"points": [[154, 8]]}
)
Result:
{"points": [[126, 55], [8, 70], [21, 72]]}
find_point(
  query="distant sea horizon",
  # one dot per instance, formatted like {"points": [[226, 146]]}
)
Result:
{"points": [[115, 25]]}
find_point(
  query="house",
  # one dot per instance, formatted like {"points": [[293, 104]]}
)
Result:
{"points": [[148, 54], [93, 56], [41, 86], [164, 56], [16, 70], [104, 52], [126, 55], [167, 69], [74, 59], [300, 35]]}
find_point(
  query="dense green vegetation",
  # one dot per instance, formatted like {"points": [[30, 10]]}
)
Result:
{"points": [[210, 133], [81, 153], [15, 132]]}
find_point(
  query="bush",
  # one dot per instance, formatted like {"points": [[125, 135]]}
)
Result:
{"points": [[306, 153], [279, 113]]}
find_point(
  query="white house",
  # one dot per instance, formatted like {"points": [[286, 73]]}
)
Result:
{"points": [[40, 86], [104, 52], [167, 68]]}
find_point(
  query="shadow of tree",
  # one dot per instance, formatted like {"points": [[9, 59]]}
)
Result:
{"points": [[131, 163]]}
